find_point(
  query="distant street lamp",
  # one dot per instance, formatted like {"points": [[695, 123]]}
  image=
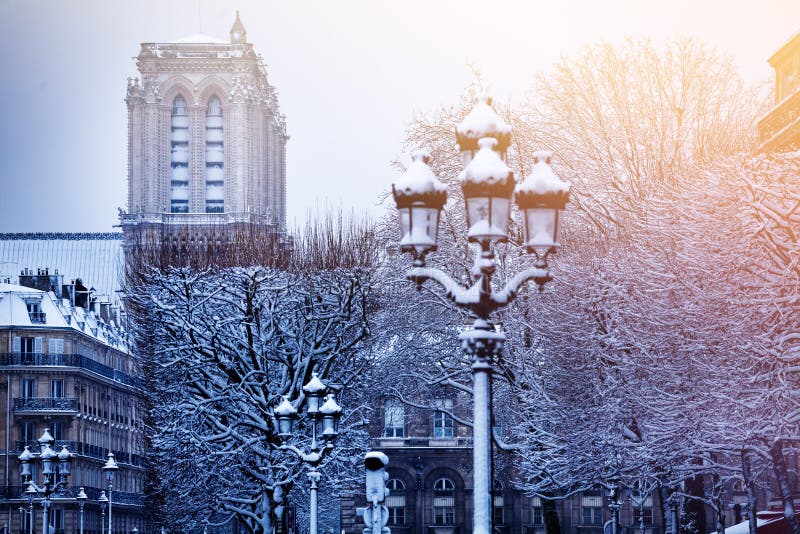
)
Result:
{"points": [[81, 498], [110, 469], [327, 416], [487, 185], [56, 468], [103, 500]]}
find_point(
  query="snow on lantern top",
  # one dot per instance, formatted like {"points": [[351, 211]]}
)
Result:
{"points": [[542, 187], [330, 407], [315, 385], [483, 121], [419, 184], [285, 408], [487, 173]]}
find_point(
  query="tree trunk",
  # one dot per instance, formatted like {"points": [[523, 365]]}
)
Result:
{"points": [[551, 522], [782, 475], [749, 485], [663, 504], [695, 509]]}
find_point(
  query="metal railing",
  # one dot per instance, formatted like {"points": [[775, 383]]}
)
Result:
{"points": [[45, 404], [39, 359], [84, 449], [450, 442], [118, 497], [38, 317]]}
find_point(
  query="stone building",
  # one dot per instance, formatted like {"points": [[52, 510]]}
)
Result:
{"points": [[65, 368], [430, 482], [206, 144], [779, 129]]}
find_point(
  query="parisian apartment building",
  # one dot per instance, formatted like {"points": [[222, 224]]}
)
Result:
{"points": [[65, 370]]}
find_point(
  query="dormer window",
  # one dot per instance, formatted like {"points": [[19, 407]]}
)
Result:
{"points": [[35, 312]]}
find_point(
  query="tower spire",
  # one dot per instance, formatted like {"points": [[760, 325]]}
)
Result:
{"points": [[238, 33]]}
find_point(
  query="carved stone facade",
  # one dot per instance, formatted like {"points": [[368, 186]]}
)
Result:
{"points": [[206, 139], [779, 130]]}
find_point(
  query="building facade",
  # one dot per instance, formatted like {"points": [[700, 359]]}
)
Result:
{"points": [[65, 368], [430, 482], [779, 130], [206, 143]]}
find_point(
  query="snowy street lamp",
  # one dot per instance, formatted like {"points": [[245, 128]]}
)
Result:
{"points": [[324, 420], [103, 500], [110, 469], [56, 467], [81, 498], [487, 185]]}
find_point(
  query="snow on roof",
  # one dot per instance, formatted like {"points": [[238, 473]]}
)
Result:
{"points": [[54, 314], [199, 38], [542, 180], [95, 258], [483, 121]]}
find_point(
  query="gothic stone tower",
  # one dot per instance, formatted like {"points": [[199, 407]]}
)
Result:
{"points": [[206, 144]]}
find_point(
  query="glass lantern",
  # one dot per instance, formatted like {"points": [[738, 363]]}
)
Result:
{"points": [[314, 390], [488, 184], [541, 197], [331, 413], [285, 413]]}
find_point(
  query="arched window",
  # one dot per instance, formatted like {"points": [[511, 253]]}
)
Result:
{"points": [[179, 140], [215, 197], [396, 502], [444, 502]]}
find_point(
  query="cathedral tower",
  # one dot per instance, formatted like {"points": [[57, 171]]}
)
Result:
{"points": [[206, 142]]}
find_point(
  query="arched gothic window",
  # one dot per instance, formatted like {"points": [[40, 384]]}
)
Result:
{"points": [[396, 502], [179, 143], [215, 160], [444, 502]]}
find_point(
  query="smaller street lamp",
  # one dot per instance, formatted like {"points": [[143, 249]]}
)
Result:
{"points": [[103, 500], [329, 413], [110, 469], [30, 493], [81, 498], [56, 468]]}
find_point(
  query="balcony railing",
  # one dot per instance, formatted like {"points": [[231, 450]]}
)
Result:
{"points": [[38, 359], [392, 442], [45, 404], [118, 497], [84, 449], [782, 124]]}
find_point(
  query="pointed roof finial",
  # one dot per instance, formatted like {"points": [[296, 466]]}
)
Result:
{"points": [[238, 33]]}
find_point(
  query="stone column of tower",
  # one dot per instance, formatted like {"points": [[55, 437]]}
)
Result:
{"points": [[192, 173]]}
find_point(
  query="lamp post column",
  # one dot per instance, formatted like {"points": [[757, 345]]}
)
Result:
{"points": [[81, 498], [103, 502], [313, 477], [110, 468]]}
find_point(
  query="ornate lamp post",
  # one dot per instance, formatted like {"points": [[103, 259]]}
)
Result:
{"points": [[110, 469], [103, 500], [81, 498], [56, 468], [327, 417], [488, 185]]}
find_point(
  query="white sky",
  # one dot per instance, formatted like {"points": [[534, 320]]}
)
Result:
{"points": [[351, 74]]}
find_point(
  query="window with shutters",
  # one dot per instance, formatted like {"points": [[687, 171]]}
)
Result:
{"points": [[444, 505], [396, 502], [55, 345]]}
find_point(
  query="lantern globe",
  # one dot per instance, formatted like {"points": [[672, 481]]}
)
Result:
{"points": [[420, 197], [331, 413], [487, 184], [482, 121], [541, 197], [314, 390]]}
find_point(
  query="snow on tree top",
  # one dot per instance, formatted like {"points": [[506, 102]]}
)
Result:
{"points": [[486, 168], [314, 385], [419, 178], [542, 179], [330, 407], [483, 121], [285, 408]]}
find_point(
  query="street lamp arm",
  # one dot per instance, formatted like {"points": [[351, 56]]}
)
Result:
{"points": [[512, 287], [455, 291], [313, 457]]}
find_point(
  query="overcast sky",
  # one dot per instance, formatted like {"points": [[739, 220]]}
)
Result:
{"points": [[351, 74]]}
